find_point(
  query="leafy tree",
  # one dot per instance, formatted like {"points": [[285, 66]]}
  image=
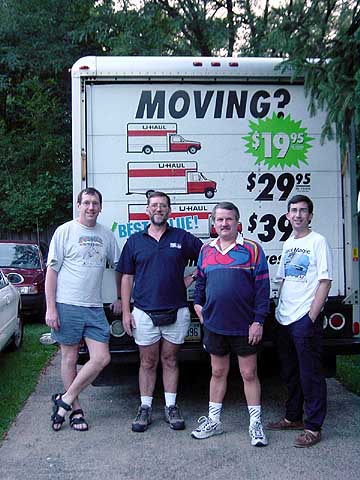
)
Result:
{"points": [[36, 51]]}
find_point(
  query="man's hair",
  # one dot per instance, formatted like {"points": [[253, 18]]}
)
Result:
{"points": [[158, 194], [226, 206], [301, 198], [89, 191]]}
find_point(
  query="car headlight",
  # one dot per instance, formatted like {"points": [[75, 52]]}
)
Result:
{"points": [[117, 329], [30, 289]]}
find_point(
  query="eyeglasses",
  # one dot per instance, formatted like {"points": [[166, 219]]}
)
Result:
{"points": [[161, 206]]}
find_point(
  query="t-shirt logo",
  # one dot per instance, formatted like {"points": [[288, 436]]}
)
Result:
{"points": [[92, 250], [175, 245]]}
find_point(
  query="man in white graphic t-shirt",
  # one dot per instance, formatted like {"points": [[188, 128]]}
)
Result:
{"points": [[306, 273], [77, 258]]}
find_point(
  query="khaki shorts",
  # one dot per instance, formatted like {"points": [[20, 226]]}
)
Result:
{"points": [[146, 333]]}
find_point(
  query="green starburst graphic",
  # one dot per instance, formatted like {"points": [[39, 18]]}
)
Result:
{"points": [[278, 142]]}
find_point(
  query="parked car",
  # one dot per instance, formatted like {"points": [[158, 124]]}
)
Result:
{"points": [[11, 323], [24, 263]]}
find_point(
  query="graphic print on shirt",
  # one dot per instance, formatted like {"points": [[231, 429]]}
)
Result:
{"points": [[296, 263], [92, 250]]}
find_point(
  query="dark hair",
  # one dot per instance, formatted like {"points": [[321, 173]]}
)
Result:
{"points": [[301, 198], [158, 194], [89, 191], [226, 206]]}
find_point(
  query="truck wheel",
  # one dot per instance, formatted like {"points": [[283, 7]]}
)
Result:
{"points": [[192, 150], [209, 193], [148, 193], [147, 149]]}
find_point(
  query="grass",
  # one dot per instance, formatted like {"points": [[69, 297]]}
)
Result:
{"points": [[348, 372], [19, 373]]}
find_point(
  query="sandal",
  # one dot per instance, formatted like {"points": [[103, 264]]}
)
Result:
{"points": [[56, 418], [78, 420]]}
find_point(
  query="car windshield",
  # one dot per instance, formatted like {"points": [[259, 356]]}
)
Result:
{"points": [[13, 255]]}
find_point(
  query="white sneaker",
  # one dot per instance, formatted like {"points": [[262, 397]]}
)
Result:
{"points": [[207, 428], [257, 435]]}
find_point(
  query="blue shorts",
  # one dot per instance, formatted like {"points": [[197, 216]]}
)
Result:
{"points": [[78, 322]]}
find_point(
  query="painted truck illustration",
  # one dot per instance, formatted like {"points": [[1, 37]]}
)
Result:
{"points": [[171, 177], [157, 137]]}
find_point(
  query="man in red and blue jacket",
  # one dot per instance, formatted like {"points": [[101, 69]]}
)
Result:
{"points": [[232, 301]]}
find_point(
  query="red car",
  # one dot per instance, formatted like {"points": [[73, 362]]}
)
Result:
{"points": [[24, 263]]}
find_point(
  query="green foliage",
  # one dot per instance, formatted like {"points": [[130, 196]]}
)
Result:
{"points": [[41, 39], [20, 371], [348, 372]]}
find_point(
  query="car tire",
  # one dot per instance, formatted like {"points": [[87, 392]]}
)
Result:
{"points": [[17, 337]]}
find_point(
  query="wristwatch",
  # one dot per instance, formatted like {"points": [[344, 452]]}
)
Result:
{"points": [[193, 276], [258, 323]]}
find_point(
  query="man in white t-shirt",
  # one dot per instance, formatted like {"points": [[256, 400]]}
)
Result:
{"points": [[306, 273], [77, 258]]}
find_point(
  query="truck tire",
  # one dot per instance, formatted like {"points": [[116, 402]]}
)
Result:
{"points": [[18, 335], [147, 149], [148, 193], [192, 150], [209, 193]]}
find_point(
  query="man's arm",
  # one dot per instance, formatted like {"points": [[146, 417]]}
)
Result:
{"points": [[116, 305], [51, 317], [127, 282], [319, 299]]}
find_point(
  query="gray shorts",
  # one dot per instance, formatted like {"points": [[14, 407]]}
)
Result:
{"points": [[146, 333], [80, 322]]}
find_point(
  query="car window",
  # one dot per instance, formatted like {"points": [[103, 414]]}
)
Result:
{"points": [[21, 256]]}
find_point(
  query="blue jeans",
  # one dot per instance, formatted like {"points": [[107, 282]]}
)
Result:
{"points": [[299, 349]]}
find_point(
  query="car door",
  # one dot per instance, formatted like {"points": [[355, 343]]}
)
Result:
{"points": [[8, 310]]}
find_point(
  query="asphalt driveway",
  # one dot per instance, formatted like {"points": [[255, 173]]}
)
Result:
{"points": [[109, 450]]}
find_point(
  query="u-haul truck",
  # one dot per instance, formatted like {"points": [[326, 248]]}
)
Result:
{"points": [[259, 145], [171, 177], [158, 137]]}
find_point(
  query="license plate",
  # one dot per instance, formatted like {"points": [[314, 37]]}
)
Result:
{"points": [[194, 332]]}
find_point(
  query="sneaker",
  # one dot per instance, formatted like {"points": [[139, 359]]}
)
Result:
{"points": [[207, 428], [257, 435], [285, 425], [307, 439], [174, 418], [142, 419]]}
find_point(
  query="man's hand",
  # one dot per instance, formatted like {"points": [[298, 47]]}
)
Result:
{"points": [[198, 311], [115, 307], [52, 318], [128, 323], [255, 333]]}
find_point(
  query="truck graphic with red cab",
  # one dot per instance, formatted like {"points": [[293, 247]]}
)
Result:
{"points": [[171, 177], [157, 137]]}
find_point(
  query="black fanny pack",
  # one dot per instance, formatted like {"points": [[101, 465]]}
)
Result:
{"points": [[161, 318]]}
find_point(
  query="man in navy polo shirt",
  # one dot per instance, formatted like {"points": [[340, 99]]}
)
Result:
{"points": [[152, 265]]}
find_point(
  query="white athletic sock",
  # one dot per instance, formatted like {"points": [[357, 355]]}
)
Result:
{"points": [[215, 411], [146, 400], [255, 413], [170, 399]]}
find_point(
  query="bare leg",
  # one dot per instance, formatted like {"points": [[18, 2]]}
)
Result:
{"points": [[170, 366], [149, 359], [248, 370], [219, 372]]}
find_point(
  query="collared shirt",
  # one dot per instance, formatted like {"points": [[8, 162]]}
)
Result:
{"points": [[232, 286], [158, 267]]}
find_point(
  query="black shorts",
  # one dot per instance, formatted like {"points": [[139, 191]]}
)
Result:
{"points": [[221, 345]]}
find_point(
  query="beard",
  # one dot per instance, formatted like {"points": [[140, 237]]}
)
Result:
{"points": [[158, 223]]}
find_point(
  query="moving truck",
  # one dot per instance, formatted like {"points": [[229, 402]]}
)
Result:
{"points": [[169, 177], [158, 137], [259, 146]]}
